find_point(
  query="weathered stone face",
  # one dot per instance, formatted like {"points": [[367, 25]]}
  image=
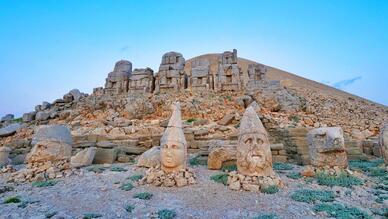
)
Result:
{"points": [[117, 81], [254, 156], [228, 75], [327, 147], [200, 79], [173, 143], [384, 142], [141, 81], [256, 74], [171, 73]]}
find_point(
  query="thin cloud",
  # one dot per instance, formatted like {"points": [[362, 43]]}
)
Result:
{"points": [[125, 48], [344, 83]]}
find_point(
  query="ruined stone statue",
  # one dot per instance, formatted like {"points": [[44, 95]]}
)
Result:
{"points": [[384, 142], [256, 74], [171, 75], [228, 75], [200, 78], [254, 156], [141, 81], [327, 147], [117, 80], [173, 143]]}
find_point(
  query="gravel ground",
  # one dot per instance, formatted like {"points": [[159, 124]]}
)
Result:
{"points": [[100, 193]]}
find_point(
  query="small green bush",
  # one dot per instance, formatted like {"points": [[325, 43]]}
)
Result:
{"points": [[129, 208], [266, 216], [191, 120], [341, 212], [91, 215], [377, 172], [18, 120], [270, 189], [342, 179], [117, 169], [196, 161], [229, 98], [46, 183], [126, 186], [12, 199], [136, 177], [220, 178], [294, 175], [282, 166], [311, 196], [382, 212], [229, 168], [365, 165], [143, 195], [294, 118], [166, 214], [96, 169]]}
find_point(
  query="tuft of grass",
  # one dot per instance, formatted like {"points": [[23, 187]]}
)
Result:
{"points": [[365, 165], [270, 189], [126, 186], [342, 179], [129, 208], [377, 172], [91, 215], [228, 97], [294, 175], [18, 120], [196, 161], [12, 199], [282, 166], [50, 214], [382, 212], [311, 196], [220, 178], [229, 168], [340, 211], [136, 177], [143, 195], [191, 120], [96, 169], [294, 118], [46, 183], [117, 169], [266, 216], [166, 214]]}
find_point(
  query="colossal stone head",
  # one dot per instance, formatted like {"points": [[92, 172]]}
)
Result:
{"points": [[173, 143], [123, 66], [327, 147], [254, 156]]}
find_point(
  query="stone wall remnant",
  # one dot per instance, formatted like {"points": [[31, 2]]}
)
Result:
{"points": [[171, 75], [117, 80]]}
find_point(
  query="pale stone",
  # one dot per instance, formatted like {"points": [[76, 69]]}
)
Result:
{"points": [[49, 151], [171, 75], [173, 151], [200, 78], [226, 120], [9, 130], [4, 153], [56, 133], [117, 80], [83, 158], [327, 147], [308, 171], [384, 142], [218, 156], [228, 74], [254, 157], [150, 158], [105, 156], [7, 118], [141, 81]]}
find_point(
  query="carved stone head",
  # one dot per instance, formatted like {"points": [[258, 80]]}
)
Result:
{"points": [[327, 147], [173, 143], [254, 156]]}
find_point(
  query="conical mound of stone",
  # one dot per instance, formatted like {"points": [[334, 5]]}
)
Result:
{"points": [[254, 158], [173, 155]]}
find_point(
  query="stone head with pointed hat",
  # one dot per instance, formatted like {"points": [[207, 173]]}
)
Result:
{"points": [[173, 143], [254, 156]]}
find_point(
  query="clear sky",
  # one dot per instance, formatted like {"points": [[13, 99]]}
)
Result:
{"points": [[50, 47]]}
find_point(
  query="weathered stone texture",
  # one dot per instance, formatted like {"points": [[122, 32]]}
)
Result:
{"points": [[171, 75], [117, 80]]}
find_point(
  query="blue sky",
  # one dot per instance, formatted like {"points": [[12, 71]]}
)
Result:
{"points": [[50, 47]]}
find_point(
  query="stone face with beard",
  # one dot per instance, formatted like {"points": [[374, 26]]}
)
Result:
{"points": [[254, 156]]}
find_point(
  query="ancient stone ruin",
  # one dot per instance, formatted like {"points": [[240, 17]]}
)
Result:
{"points": [[228, 77], [171, 75], [201, 77], [141, 81], [254, 158], [173, 156], [256, 74], [117, 80]]}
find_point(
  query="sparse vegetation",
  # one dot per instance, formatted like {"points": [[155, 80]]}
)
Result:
{"points": [[97, 169], [166, 214], [382, 212], [129, 208], [91, 215], [20, 119], [12, 199], [46, 183], [294, 118], [342, 179], [126, 186], [340, 211], [50, 214], [365, 165], [191, 120], [272, 189], [143, 195], [294, 175], [282, 166], [229, 168], [118, 169], [220, 178], [266, 216], [228, 97], [196, 161], [136, 177], [311, 196]]}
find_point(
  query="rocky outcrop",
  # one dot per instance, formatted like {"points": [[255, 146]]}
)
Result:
{"points": [[9, 130], [4, 156], [150, 158], [83, 158]]}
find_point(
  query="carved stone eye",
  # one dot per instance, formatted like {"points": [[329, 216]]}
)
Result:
{"points": [[248, 141], [260, 141]]}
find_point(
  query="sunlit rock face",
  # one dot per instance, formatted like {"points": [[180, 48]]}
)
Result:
{"points": [[327, 147], [254, 156], [200, 78], [173, 143], [384, 142], [229, 74], [141, 81], [171, 75], [117, 80]]}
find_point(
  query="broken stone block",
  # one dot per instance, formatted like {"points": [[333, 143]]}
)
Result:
{"points": [[105, 156], [83, 158]]}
